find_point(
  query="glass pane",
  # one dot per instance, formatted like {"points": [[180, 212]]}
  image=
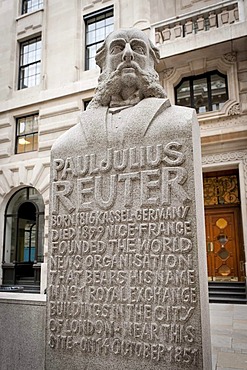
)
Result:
{"points": [[221, 190], [31, 70], [25, 126], [25, 48], [38, 54], [30, 75], [91, 23], [200, 92], [100, 17], [91, 63], [35, 196], [18, 208], [29, 241], [100, 34], [26, 232], [38, 68], [31, 57], [28, 143], [90, 37], [218, 91], [109, 20], [20, 147], [35, 5], [32, 46], [92, 51], [31, 81], [109, 29], [40, 251], [31, 5], [29, 125], [10, 239], [97, 28], [100, 24], [183, 94], [23, 78], [35, 123], [24, 59], [35, 142], [30, 52], [21, 124], [37, 79]]}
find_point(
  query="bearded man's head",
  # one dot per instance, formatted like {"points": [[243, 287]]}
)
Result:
{"points": [[126, 59]]}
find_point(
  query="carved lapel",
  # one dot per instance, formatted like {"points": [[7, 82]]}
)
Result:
{"points": [[93, 123]]}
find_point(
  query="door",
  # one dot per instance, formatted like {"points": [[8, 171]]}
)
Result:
{"points": [[26, 241], [224, 244]]}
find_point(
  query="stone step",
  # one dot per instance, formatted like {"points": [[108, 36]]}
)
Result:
{"points": [[228, 300], [240, 288], [29, 288], [227, 292]]}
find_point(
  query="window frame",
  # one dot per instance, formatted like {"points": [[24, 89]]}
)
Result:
{"points": [[86, 19], [24, 6], [21, 67], [33, 133], [207, 76], [40, 221]]}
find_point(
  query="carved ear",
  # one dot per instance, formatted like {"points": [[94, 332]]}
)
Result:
{"points": [[154, 51], [101, 55]]}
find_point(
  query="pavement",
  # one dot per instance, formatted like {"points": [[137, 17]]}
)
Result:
{"points": [[229, 336]]}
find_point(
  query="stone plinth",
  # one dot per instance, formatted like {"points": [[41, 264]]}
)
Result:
{"points": [[127, 272]]}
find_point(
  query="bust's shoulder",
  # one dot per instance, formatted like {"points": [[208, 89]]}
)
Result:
{"points": [[174, 120], [77, 137], [68, 140], [161, 106]]}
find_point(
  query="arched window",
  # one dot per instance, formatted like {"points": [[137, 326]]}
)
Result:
{"points": [[206, 92], [23, 236]]}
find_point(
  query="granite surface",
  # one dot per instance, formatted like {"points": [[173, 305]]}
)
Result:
{"points": [[22, 332], [127, 271]]}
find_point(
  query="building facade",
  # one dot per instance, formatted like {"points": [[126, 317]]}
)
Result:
{"points": [[48, 75]]}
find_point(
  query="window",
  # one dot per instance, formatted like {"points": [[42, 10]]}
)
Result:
{"points": [[86, 103], [207, 92], [29, 6], [27, 134], [98, 26], [23, 236], [221, 188], [30, 61]]}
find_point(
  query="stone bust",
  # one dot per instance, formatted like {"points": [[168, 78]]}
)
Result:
{"points": [[128, 100], [127, 60], [124, 184]]}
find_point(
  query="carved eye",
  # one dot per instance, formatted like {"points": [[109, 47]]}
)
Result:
{"points": [[116, 49], [138, 49]]}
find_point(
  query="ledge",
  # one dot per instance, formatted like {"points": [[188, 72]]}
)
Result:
{"points": [[204, 39], [23, 297]]}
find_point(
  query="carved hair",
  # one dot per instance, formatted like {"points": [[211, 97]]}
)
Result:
{"points": [[108, 83]]}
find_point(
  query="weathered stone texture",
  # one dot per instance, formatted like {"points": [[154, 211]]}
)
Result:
{"points": [[22, 334], [126, 284]]}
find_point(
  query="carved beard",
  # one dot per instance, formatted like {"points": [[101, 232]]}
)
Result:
{"points": [[108, 92]]}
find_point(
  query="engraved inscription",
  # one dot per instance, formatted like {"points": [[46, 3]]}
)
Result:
{"points": [[122, 255]]}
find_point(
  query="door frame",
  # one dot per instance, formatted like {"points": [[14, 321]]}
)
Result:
{"points": [[235, 160], [224, 209]]}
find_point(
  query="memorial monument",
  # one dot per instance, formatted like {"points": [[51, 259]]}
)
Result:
{"points": [[127, 283]]}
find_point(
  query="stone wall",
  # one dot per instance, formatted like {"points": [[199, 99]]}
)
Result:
{"points": [[22, 332]]}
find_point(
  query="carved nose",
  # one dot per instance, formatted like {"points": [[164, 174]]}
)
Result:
{"points": [[127, 54]]}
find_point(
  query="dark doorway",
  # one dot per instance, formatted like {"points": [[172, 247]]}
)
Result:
{"points": [[23, 238]]}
